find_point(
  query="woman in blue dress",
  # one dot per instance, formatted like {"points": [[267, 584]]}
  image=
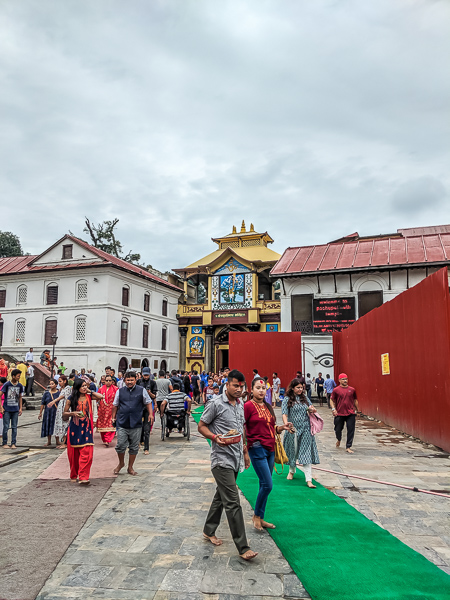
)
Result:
{"points": [[48, 422], [298, 443]]}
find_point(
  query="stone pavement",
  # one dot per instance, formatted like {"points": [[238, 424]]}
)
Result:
{"points": [[144, 538]]}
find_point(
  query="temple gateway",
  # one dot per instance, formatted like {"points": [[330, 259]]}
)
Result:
{"points": [[227, 290]]}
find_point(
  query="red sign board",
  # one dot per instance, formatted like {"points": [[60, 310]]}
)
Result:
{"points": [[220, 317], [333, 314]]}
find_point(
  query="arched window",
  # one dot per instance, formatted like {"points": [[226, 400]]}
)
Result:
{"points": [[145, 330], [22, 292], [147, 302], [126, 295], [82, 290], [164, 307], [52, 293], [164, 338], [51, 329], [20, 331], [80, 328], [124, 332]]}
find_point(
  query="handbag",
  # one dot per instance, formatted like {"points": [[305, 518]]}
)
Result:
{"points": [[316, 423], [280, 454]]}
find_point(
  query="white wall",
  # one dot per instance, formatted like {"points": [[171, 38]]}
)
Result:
{"points": [[103, 311]]}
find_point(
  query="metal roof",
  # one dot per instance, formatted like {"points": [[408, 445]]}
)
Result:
{"points": [[24, 264], [363, 254]]}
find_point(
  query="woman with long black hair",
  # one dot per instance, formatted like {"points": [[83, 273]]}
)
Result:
{"points": [[80, 438], [299, 443], [260, 427]]}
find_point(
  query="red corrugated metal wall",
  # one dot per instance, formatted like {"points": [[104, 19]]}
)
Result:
{"points": [[268, 352], [414, 328]]}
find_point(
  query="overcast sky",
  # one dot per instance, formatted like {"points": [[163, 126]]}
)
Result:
{"points": [[311, 119]]}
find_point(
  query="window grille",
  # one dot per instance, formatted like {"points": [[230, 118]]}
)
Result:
{"points": [[22, 294], [2, 298], [82, 289], [67, 251], [246, 243], [145, 336], [51, 327], [20, 332], [80, 329], [234, 244], [52, 294], [124, 333], [147, 302]]}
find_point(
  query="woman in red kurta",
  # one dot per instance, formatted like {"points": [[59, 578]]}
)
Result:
{"points": [[260, 427], [80, 441], [104, 417]]}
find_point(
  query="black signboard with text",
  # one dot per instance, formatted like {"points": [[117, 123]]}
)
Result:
{"points": [[333, 314]]}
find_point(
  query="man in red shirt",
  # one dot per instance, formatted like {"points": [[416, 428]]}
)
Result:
{"points": [[344, 406]]}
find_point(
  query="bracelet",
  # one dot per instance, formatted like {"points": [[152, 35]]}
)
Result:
{"points": [[214, 437]]}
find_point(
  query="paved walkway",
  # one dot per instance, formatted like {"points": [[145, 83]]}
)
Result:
{"points": [[144, 538]]}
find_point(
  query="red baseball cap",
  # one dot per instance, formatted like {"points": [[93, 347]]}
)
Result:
{"points": [[343, 376]]}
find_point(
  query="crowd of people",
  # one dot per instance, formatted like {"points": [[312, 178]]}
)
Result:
{"points": [[124, 405]]}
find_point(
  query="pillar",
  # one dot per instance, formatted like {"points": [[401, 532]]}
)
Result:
{"points": [[209, 348], [182, 361]]}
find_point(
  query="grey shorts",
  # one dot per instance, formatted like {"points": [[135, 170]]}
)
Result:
{"points": [[128, 438]]}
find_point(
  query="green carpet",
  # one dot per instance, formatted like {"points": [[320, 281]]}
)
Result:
{"points": [[336, 552]]}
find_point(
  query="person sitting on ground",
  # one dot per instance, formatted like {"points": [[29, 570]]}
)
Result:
{"points": [[175, 403]]}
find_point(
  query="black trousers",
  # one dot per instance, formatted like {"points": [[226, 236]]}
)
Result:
{"points": [[29, 387], [145, 435], [339, 426], [227, 497]]}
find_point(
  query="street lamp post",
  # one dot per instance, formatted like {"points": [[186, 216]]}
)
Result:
{"points": [[54, 340]]}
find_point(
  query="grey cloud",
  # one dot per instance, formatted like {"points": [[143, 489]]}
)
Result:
{"points": [[182, 118]]}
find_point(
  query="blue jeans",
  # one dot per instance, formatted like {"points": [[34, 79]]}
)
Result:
{"points": [[10, 417], [262, 461]]}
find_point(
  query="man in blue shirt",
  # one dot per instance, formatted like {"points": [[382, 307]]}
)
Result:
{"points": [[329, 385], [12, 407]]}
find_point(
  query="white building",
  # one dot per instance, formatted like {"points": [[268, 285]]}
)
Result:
{"points": [[103, 310], [326, 288]]}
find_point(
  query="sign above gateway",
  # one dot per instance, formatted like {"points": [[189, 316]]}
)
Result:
{"points": [[333, 314]]}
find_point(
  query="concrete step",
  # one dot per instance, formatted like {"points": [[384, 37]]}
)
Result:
{"points": [[33, 402]]}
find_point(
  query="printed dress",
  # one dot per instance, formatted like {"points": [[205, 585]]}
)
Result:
{"points": [[60, 425], [303, 448], [48, 420]]}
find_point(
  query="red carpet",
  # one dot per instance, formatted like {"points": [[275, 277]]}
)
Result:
{"points": [[105, 460]]}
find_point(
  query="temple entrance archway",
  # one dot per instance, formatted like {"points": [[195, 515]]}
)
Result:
{"points": [[163, 366], [144, 363]]}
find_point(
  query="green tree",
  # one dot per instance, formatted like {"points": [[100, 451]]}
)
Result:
{"points": [[104, 238], [9, 245]]}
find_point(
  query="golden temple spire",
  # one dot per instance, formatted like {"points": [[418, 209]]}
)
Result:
{"points": [[251, 227], [243, 227], [234, 229]]}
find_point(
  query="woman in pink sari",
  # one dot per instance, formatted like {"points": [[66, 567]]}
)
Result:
{"points": [[104, 418]]}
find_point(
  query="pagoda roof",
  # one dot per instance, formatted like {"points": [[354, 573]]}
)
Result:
{"points": [[258, 255]]}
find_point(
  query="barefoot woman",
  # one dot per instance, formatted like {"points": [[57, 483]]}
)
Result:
{"points": [[105, 406], [80, 442], [299, 443], [260, 427]]}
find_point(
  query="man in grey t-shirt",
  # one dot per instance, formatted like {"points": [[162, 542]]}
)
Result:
{"points": [[223, 413], [164, 388]]}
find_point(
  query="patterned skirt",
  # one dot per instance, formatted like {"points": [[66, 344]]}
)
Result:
{"points": [[304, 449]]}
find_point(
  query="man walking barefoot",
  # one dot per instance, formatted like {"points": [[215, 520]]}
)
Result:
{"points": [[344, 406], [223, 413], [128, 406]]}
